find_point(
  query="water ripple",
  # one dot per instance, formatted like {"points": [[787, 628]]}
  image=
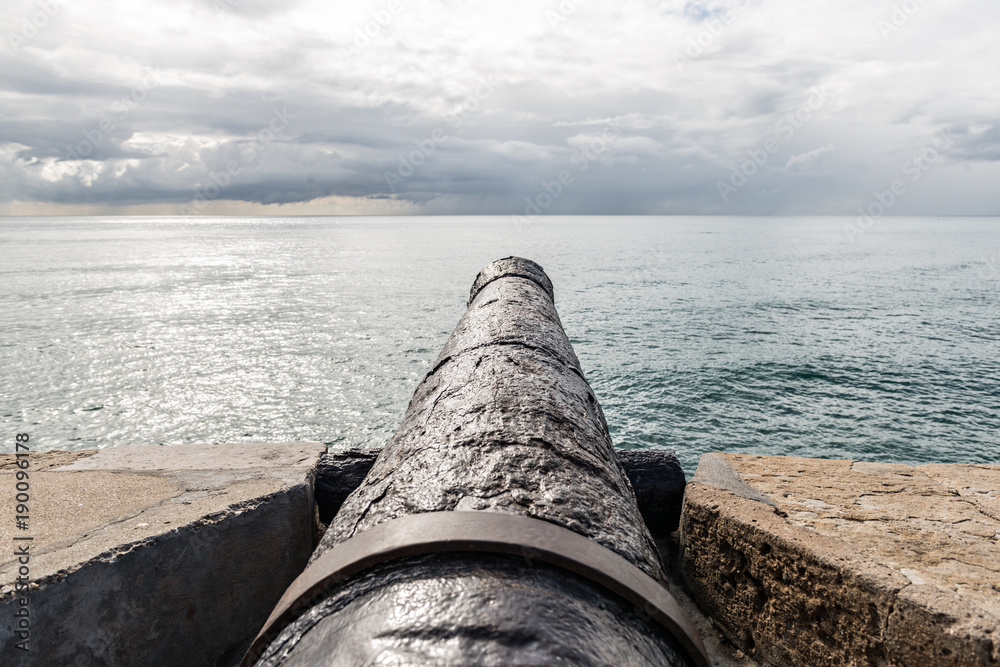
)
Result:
{"points": [[773, 337]]}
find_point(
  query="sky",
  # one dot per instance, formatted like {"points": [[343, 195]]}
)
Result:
{"points": [[525, 107]]}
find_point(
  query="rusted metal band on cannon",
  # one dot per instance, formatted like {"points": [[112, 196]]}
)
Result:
{"points": [[483, 532]]}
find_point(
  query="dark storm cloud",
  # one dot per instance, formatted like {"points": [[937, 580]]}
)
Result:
{"points": [[443, 106]]}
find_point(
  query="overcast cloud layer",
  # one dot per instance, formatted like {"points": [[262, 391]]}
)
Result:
{"points": [[521, 107]]}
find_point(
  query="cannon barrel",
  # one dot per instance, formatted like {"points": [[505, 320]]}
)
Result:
{"points": [[496, 526]]}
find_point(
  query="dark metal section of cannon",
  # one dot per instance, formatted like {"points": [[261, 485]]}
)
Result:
{"points": [[655, 474], [505, 422]]}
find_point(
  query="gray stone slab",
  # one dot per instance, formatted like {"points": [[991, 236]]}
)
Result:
{"points": [[272, 456], [846, 563], [156, 555]]}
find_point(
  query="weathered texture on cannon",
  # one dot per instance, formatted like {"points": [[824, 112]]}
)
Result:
{"points": [[505, 422], [655, 474]]}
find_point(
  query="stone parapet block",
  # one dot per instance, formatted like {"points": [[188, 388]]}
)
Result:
{"points": [[150, 555], [822, 562]]}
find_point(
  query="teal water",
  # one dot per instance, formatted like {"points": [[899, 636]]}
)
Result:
{"points": [[773, 336]]}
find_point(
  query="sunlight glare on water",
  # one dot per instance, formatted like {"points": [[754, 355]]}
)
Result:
{"points": [[772, 336]]}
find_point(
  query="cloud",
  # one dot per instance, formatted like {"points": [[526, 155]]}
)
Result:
{"points": [[805, 160], [695, 86]]}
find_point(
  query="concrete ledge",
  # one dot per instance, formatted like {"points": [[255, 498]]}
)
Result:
{"points": [[157, 555], [819, 562]]}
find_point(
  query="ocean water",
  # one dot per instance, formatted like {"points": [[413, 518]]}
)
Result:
{"points": [[771, 336]]}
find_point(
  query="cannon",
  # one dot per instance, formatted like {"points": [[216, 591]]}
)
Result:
{"points": [[496, 527]]}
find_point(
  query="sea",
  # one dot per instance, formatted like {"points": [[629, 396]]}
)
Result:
{"points": [[793, 336]]}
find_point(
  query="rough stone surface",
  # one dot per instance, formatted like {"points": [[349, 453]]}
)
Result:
{"points": [[977, 484], [157, 555], [504, 422], [46, 460], [655, 475], [819, 562]]}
